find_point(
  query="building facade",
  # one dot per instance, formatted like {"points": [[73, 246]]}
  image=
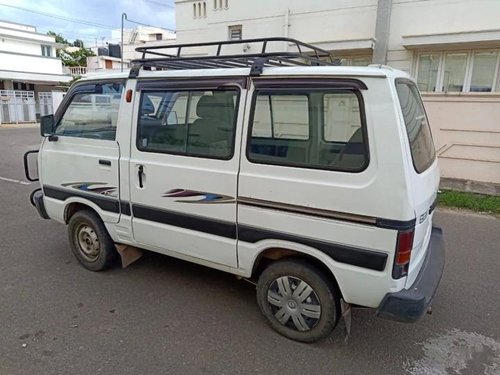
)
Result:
{"points": [[29, 72], [452, 48]]}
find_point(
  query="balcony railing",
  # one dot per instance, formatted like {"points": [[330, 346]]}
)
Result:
{"points": [[76, 70]]}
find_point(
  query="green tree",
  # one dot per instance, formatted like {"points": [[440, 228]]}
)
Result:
{"points": [[78, 43], [77, 58], [59, 38]]}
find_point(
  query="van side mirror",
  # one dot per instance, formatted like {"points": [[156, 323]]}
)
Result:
{"points": [[47, 125]]}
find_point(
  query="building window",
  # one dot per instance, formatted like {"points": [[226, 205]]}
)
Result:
{"points": [[428, 68], [460, 71], [484, 70], [454, 72], [221, 4], [197, 10], [46, 51], [360, 60], [235, 32], [158, 36]]}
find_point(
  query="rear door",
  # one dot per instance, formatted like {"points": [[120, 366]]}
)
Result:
{"points": [[423, 171], [81, 162], [184, 167]]}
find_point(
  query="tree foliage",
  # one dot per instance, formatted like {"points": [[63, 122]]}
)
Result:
{"points": [[76, 58], [78, 43], [59, 37]]}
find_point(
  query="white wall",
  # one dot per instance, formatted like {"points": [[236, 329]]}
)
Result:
{"points": [[98, 63], [32, 64], [21, 50], [143, 34], [311, 21], [19, 46], [17, 26]]}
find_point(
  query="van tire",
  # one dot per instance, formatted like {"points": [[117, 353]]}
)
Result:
{"points": [[323, 293], [90, 241]]}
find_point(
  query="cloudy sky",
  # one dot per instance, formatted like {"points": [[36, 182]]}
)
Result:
{"points": [[98, 16]]}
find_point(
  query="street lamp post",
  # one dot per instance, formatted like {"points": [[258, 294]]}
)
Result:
{"points": [[124, 17]]}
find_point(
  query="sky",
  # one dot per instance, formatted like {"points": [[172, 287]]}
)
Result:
{"points": [[105, 13]]}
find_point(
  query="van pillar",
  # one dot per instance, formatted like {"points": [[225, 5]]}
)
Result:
{"points": [[382, 30]]}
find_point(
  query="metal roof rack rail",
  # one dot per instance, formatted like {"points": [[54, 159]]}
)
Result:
{"points": [[183, 56]]}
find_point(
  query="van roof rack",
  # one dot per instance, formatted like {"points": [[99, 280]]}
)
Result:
{"points": [[172, 57]]}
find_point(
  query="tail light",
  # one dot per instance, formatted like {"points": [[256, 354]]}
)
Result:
{"points": [[403, 253]]}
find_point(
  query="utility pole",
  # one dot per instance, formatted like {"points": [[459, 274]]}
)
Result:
{"points": [[124, 17], [382, 30]]}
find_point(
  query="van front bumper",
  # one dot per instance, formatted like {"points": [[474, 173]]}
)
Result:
{"points": [[409, 305], [36, 199]]}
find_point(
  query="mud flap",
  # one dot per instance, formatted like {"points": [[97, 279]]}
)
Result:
{"points": [[128, 254], [346, 316]]}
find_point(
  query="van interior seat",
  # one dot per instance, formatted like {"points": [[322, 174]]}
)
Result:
{"points": [[214, 127], [352, 155]]}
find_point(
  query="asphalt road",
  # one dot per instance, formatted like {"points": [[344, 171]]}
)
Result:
{"points": [[165, 316]]}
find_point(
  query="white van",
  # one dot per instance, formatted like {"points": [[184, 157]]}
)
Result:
{"points": [[317, 181]]}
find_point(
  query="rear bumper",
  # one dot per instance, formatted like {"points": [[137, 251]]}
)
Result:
{"points": [[36, 199], [409, 305]]}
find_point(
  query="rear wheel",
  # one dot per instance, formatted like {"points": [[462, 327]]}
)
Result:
{"points": [[298, 300], [90, 241]]}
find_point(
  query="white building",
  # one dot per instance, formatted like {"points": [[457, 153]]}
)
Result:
{"points": [[28, 59], [132, 38], [29, 73], [451, 47], [142, 36]]}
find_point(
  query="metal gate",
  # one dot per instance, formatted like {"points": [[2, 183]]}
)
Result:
{"points": [[45, 103], [17, 106]]}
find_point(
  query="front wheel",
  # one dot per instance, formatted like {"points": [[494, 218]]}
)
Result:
{"points": [[299, 300], [90, 241]]}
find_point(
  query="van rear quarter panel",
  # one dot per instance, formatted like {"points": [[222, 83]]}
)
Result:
{"points": [[380, 191]]}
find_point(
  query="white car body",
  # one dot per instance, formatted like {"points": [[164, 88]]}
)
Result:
{"points": [[347, 221]]}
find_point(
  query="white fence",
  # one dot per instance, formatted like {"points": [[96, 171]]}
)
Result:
{"points": [[45, 103], [17, 107]]}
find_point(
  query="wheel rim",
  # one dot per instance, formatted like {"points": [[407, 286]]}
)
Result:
{"points": [[88, 242], [294, 303]]}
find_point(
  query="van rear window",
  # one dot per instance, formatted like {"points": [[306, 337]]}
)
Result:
{"points": [[417, 126], [309, 128]]}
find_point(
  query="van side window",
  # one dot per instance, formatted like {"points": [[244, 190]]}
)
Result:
{"points": [[310, 129], [282, 116], [417, 126], [92, 114], [192, 123]]}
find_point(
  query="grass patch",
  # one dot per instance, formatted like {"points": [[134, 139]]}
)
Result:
{"points": [[471, 201]]}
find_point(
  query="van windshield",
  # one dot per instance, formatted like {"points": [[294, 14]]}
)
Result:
{"points": [[417, 125]]}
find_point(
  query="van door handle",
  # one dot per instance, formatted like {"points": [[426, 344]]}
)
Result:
{"points": [[105, 162], [140, 172]]}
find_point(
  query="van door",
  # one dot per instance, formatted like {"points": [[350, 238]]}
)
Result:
{"points": [[423, 170], [184, 168], [81, 162]]}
